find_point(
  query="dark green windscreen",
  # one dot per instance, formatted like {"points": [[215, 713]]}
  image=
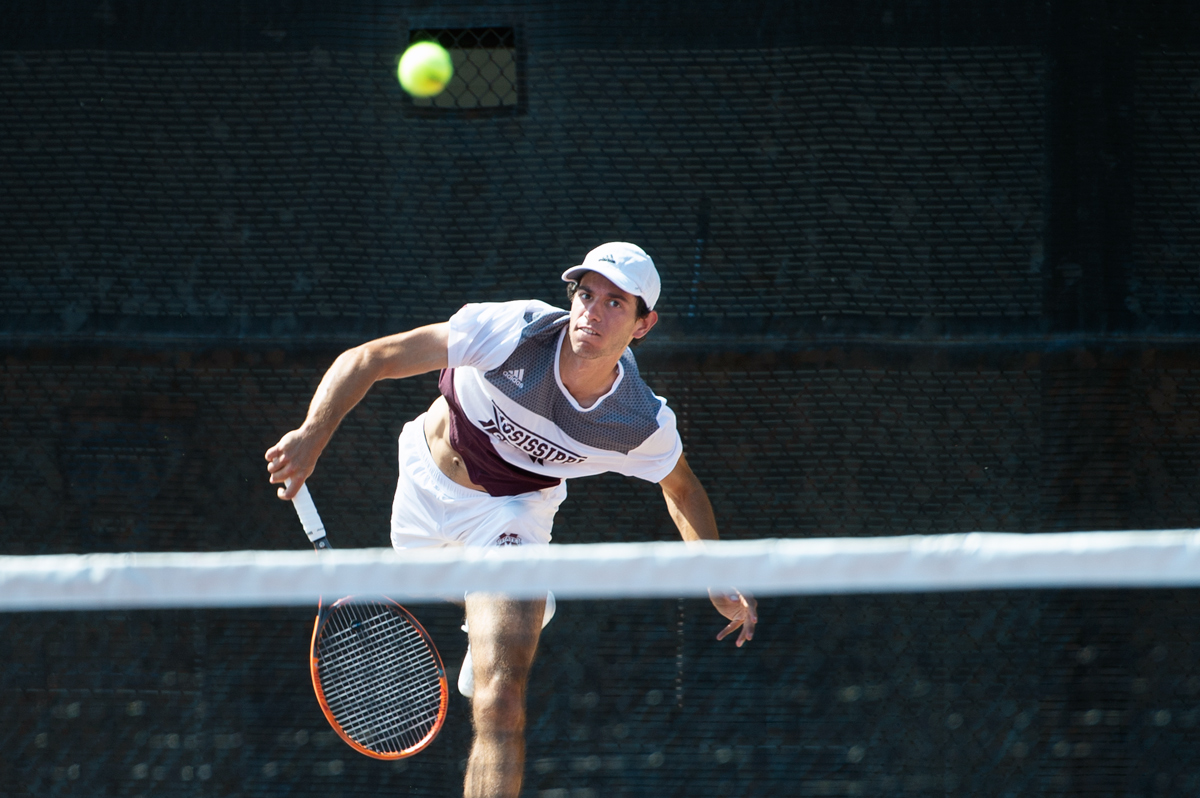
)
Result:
{"points": [[927, 268]]}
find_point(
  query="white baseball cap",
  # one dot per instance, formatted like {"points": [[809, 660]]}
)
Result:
{"points": [[629, 268]]}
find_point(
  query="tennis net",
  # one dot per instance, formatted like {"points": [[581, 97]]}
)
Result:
{"points": [[980, 664], [976, 561]]}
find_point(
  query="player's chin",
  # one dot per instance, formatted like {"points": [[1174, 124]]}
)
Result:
{"points": [[585, 343]]}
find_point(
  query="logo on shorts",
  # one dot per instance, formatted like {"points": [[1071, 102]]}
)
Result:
{"points": [[509, 539], [540, 450]]}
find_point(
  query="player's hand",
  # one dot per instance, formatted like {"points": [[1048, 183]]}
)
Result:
{"points": [[293, 458], [740, 608]]}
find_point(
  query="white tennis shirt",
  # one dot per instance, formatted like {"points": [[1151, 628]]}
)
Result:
{"points": [[505, 358]]}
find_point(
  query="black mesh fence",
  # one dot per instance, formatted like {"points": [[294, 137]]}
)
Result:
{"points": [[926, 269], [1053, 693]]}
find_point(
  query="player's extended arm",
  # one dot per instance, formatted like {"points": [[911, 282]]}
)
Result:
{"points": [[692, 512], [345, 384]]}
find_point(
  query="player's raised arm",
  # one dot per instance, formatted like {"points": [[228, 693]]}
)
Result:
{"points": [[344, 385], [688, 503]]}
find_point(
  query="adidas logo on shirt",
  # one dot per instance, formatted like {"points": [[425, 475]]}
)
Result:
{"points": [[515, 376]]}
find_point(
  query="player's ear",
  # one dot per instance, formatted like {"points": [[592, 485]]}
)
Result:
{"points": [[645, 324]]}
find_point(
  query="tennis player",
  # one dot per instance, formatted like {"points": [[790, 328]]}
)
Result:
{"points": [[531, 396]]}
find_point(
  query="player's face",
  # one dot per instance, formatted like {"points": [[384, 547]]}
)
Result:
{"points": [[604, 318]]}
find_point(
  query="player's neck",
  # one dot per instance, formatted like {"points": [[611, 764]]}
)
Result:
{"points": [[587, 379]]}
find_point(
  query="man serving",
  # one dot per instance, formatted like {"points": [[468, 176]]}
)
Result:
{"points": [[531, 395]]}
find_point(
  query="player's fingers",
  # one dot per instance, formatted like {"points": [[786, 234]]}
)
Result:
{"points": [[290, 488], [730, 629], [747, 631], [751, 608], [292, 477]]}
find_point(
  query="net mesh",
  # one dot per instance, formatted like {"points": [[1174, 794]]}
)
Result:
{"points": [[926, 269], [986, 693]]}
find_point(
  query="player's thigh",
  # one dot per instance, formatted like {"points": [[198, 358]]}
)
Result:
{"points": [[504, 634]]}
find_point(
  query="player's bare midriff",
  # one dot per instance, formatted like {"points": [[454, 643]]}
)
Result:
{"points": [[437, 435]]}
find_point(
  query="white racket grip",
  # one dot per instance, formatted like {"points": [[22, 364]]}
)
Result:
{"points": [[310, 519]]}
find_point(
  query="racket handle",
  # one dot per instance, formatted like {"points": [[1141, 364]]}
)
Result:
{"points": [[310, 519]]}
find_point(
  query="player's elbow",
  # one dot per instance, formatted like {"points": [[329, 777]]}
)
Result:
{"points": [[362, 362], [682, 487]]}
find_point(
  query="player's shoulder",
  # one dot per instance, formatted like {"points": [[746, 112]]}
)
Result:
{"points": [[638, 398], [517, 312], [540, 317], [632, 374]]}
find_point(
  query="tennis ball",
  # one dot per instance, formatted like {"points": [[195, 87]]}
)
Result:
{"points": [[425, 69]]}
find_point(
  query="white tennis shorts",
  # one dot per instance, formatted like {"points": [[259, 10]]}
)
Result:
{"points": [[430, 509]]}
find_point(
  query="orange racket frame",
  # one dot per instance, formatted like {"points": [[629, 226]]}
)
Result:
{"points": [[314, 663], [314, 529]]}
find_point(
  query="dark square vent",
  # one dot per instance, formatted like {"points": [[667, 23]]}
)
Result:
{"points": [[487, 71]]}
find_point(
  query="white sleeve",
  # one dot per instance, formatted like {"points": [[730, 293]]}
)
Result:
{"points": [[658, 454], [484, 334]]}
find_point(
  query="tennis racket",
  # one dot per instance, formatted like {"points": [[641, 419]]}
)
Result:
{"points": [[377, 676]]}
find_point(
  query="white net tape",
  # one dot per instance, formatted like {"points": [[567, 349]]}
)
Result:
{"points": [[975, 561]]}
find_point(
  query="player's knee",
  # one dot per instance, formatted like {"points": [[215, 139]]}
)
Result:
{"points": [[499, 704]]}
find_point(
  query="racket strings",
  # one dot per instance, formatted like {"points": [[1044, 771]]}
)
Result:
{"points": [[358, 661], [365, 705], [381, 682]]}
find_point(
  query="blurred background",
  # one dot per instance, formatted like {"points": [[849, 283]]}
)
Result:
{"points": [[927, 267]]}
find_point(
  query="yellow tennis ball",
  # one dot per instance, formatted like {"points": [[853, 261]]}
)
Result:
{"points": [[425, 69]]}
